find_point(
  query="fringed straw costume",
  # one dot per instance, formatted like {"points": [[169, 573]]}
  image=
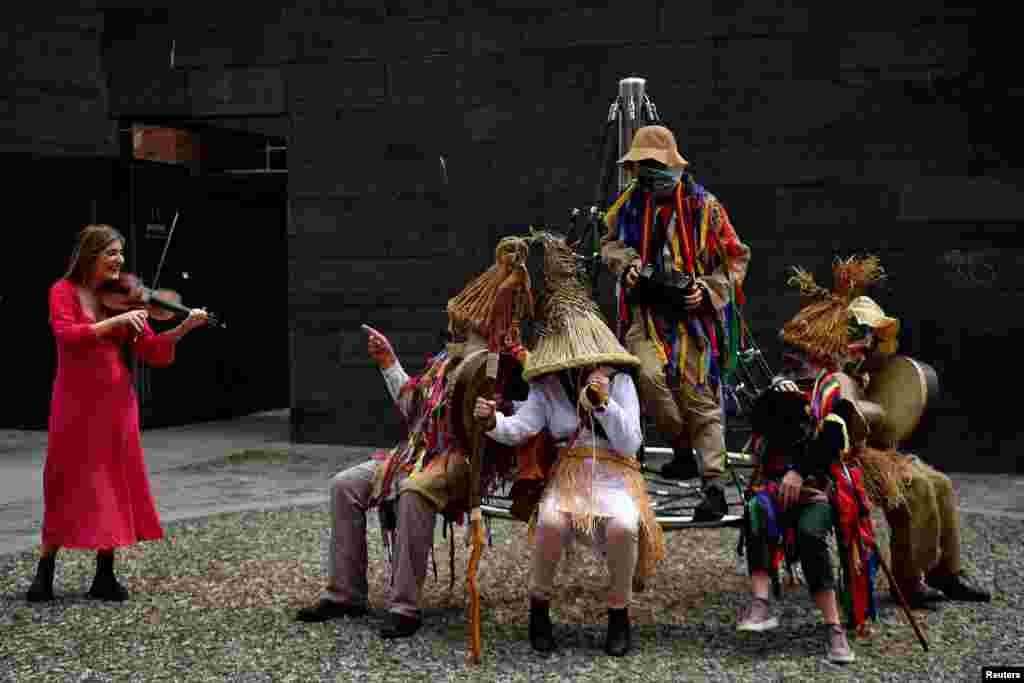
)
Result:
{"points": [[427, 472], [595, 492], [831, 343]]}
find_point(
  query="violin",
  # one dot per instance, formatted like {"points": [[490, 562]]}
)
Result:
{"points": [[128, 293]]}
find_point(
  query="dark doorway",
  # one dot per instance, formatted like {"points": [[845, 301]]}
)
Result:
{"points": [[227, 252]]}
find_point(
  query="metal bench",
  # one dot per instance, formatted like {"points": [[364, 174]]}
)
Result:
{"points": [[673, 500]]}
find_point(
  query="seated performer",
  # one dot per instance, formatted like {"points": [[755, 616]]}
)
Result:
{"points": [[832, 344], [681, 266], [427, 473], [789, 512], [581, 393]]}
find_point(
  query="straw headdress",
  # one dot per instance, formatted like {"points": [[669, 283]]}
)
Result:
{"points": [[822, 327], [495, 303], [572, 332]]}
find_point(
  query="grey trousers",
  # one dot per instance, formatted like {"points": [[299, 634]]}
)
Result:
{"points": [[349, 493]]}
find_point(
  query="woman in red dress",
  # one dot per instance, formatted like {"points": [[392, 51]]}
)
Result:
{"points": [[95, 486]]}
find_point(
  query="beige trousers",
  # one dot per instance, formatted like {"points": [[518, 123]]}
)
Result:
{"points": [[925, 533], [691, 417], [349, 492]]}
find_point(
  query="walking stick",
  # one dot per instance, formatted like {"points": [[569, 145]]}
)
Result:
{"points": [[888, 574], [476, 529]]}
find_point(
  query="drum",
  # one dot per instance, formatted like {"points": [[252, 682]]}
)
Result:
{"points": [[903, 387]]}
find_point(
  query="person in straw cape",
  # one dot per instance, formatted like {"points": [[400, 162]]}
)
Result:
{"points": [[666, 228], [582, 391], [427, 472], [838, 346]]}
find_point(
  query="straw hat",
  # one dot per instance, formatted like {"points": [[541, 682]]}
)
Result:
{"points": [[492, 306], [822, 327], [657, 143], [572, 333]]}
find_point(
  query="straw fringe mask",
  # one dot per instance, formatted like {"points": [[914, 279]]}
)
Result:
{"points": [[572, 333]]}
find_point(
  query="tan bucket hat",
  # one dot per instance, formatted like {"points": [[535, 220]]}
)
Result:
{"points": [[658, 143]]}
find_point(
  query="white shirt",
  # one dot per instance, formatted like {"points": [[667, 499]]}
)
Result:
{"points": [[548, 406]]}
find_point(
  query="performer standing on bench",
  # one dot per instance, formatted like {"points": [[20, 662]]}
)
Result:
{"points": [[595, 491], [681, 267]]}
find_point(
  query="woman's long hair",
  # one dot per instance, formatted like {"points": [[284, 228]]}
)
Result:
{"points": [[92, 240]]}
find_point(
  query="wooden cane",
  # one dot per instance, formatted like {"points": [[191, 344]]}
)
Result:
{"points": [[903, 601], [888, 574], [476, 529]]}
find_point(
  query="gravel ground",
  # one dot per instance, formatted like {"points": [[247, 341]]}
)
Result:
{"points": [[215, 601]]}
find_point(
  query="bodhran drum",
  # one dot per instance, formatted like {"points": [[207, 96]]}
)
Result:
{"points": [[904, 387]]}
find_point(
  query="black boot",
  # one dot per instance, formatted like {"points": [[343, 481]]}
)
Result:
{"points": [[682, 466], [104, 584], [619, 636], [400, 626], [541, 637], [713, 506], [41, 589]]}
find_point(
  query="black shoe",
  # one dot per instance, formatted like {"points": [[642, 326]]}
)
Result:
{"points": [[541, 638], [682, 466], [41, 589], [958, 587], [104, 584], [713, 507], [400, 626], [920, 596], [328, 609], [620, 638]]}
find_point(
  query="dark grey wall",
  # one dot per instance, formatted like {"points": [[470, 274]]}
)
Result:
{"points": [[877, 127], [55, 97]]}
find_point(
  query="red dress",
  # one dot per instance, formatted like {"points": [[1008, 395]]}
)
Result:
{"points": [[95, 485]]}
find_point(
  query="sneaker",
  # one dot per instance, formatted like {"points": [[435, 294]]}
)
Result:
{"points": [[838, 648], [757, 617], [713, 507]]}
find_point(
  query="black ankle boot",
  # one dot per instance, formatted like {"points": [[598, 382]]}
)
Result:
{"points": [[41, 589], [541, 637], [104, 584], [619, 636]]}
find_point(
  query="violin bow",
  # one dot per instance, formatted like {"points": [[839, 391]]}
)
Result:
{"points": [[163, 254]]}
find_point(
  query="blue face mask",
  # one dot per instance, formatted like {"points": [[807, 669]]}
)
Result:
{"points": [[657, 180]]}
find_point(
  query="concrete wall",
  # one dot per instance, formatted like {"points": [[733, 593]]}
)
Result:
{"points": [[871, 127]]}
